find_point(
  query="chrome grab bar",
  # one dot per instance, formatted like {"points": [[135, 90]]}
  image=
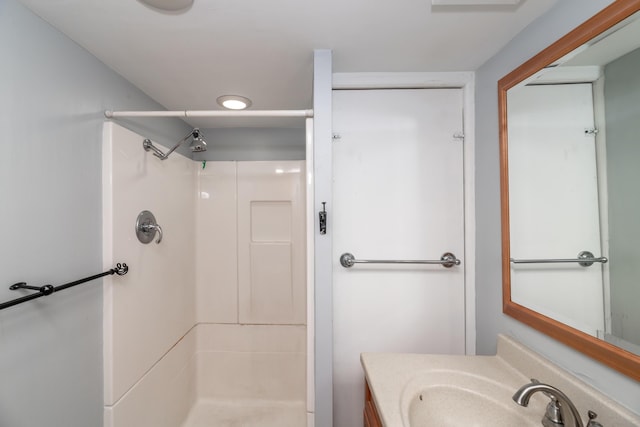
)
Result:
{"points": [[447, 260], [585, 259]]}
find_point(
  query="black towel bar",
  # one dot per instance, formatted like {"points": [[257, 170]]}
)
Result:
{"points": [[120, 270]]}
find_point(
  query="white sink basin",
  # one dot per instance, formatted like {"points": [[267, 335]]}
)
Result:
{"points": [[446, 398], [475, 391]]}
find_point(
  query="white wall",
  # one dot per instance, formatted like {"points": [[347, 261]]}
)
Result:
{"points": [[565, 16], [52, 97]]}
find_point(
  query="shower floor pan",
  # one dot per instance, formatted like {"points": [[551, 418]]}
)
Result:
{"points": [[246, 413]]}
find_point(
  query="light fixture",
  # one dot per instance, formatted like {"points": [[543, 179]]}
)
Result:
{"points": [[234, 102], [475, 2], [168, 5]]}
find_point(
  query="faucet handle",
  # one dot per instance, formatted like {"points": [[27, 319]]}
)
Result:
{"points": [[553, 414], [592, 420]]}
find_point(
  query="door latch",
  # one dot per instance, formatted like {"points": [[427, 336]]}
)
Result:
{"points": [[459, 136], [322, 218]]}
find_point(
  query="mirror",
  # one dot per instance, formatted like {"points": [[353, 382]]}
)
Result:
{"points": [[569, 144]]}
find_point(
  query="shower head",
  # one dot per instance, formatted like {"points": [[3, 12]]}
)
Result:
{"points": [[197, 145]]}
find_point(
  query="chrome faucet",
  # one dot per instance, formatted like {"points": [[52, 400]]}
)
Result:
{"points": [[556, 414]]}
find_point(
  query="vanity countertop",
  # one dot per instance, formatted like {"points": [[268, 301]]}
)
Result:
{"points": [[392, 377]]}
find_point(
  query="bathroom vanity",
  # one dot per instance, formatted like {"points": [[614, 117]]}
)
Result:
{"points": [[370, 412], [448, 390]]}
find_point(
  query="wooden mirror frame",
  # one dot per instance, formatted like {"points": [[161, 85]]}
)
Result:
{"points": [[615, 357]]}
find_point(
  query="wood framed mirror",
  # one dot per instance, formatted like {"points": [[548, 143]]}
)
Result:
{"points": [[546, 231]]}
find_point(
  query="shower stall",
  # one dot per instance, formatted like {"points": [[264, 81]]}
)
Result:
{"points": [[210, 326]]}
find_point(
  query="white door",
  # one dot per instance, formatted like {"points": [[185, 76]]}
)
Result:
{"points": [[553, 203], [398, 195]]}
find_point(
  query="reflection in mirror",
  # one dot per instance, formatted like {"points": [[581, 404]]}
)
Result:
{"points": [[622, 107], [569, 151], [554, 203], [573, 132]]}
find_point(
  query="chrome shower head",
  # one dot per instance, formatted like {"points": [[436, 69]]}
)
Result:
{"points": [[198, 144]]}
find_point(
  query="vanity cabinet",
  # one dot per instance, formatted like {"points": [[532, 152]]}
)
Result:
{"points": [[371, 417]]}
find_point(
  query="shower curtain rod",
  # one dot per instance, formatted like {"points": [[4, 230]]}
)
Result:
{"points": [[210, 113]]}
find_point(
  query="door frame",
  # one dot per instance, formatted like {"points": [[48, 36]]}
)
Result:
{"points": [[321, 414]]}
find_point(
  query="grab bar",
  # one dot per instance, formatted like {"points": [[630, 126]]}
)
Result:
{"points": [[447, 260], [120, 270], [585, 259]]}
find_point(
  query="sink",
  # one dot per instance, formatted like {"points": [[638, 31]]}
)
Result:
{"points": [[425, 390], [447, 398], [436, 406]]}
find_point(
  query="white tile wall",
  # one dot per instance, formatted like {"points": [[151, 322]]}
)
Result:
{"points": [[216, 362], [153, 306], [164, 395], [271, 242], [251, 258], [251, 361], [216, 239], [248, 338]]}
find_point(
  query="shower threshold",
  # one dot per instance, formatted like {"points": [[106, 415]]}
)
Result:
{"points": [[246, 413]]}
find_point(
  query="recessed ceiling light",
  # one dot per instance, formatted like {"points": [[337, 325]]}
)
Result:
{"points": [[168, 5], [234, 102], [474, 2]]}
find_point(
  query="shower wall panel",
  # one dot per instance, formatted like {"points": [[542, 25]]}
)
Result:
{"points": [[271, 243], [164, 394], [216, 239], [251, 243], [265, 362], [151, 308]]}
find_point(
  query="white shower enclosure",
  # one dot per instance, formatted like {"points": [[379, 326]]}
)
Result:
{"points": [[209, 326]]}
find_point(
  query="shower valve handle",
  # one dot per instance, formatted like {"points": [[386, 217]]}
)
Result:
{"points": [[147, 227], [159, 230], [153, 228]]}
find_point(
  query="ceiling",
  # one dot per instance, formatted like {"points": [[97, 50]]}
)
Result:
{"points": [[264, 49], [609, 46]]}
